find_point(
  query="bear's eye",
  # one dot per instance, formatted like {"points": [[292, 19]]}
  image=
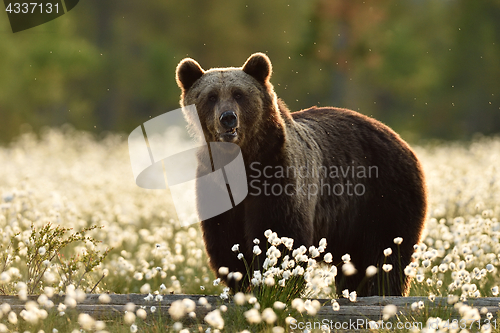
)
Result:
{"points": [[212, 98], [237, 95]]}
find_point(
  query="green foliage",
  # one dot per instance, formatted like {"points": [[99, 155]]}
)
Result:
{"points": [[110, 66], [39, 253]]}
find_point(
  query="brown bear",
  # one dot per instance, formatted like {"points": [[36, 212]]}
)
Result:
{"points": [[322, 172]]}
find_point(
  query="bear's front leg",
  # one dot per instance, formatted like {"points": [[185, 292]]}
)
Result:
{"points": [[220, 234]]}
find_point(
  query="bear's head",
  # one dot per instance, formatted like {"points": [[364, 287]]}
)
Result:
{"points": [[236, 105]]}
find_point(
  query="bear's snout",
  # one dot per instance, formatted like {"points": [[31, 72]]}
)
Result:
{"points": [[229, 126], [229, 120]]}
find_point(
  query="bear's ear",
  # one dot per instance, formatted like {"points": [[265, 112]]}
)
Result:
{"points": [[259, 66], [187, 72]]}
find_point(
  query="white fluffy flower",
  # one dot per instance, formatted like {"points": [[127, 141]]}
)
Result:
{"points": [[12, 317], [86, 321], [145, 288], [237, 276], [177, 310], [298, 304], [269, 316], [223, 270], [387, 267], [269, 281], [371, 271], [389, 311], [313, 252], [322, 242], [239, 298], [141, 313], [348, 269], [42, 250], [104, 298], [252, 316], [279, 305], [288, 242], [4, 278], [128, 318]]}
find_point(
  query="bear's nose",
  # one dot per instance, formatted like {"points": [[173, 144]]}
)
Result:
{"points": [[228, 119]]}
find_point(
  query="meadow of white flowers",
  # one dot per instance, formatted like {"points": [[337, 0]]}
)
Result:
{"points": [[69, 178]]}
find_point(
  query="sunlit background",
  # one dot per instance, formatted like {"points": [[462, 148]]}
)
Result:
{"points": [[429, 69], [73, 89]]}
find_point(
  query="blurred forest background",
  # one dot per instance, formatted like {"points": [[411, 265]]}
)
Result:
{"points": [[427, 68]]}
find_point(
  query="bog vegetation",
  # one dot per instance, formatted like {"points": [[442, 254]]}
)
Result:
{"points": [[73, 221]]}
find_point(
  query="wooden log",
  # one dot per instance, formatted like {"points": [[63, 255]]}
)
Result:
{"points": [[368, 308]]}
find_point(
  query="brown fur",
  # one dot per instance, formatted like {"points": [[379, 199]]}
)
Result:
{"points": [[394, 204]]}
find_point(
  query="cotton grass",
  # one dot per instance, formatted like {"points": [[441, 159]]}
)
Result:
{"points": [[71, 179]]}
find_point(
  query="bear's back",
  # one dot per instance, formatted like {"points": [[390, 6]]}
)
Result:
{"points": [[346, 140]]}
